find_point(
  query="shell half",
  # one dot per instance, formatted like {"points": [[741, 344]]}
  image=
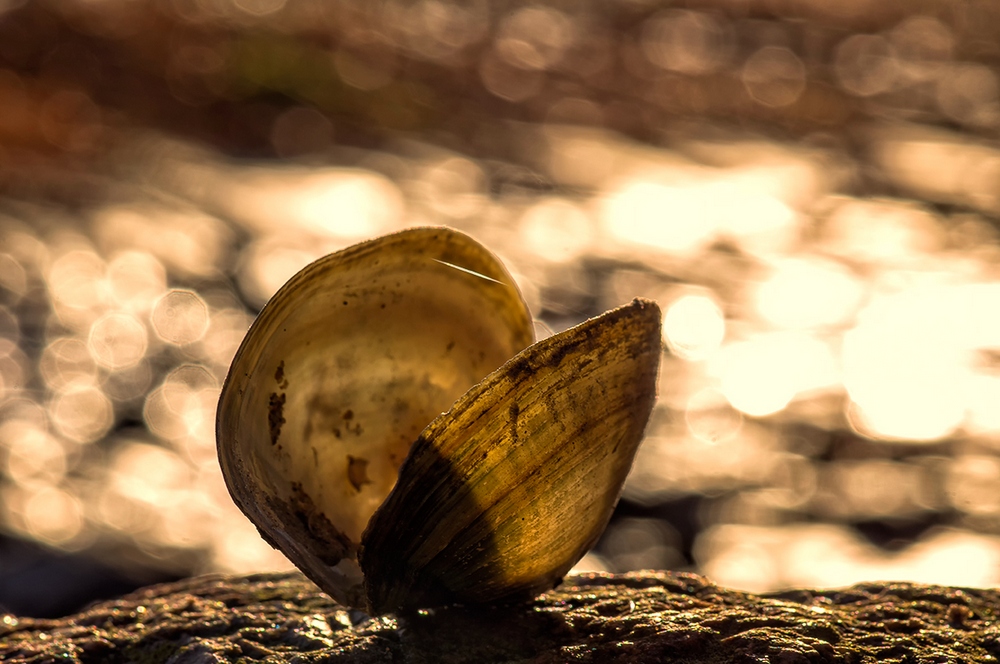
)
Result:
{"points": [[500, 496], [338, 375]]}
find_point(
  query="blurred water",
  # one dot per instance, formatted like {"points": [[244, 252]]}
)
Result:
{"points": [[810, 193]]}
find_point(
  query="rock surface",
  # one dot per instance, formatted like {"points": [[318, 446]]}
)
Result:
{"points": [[641, 617]]}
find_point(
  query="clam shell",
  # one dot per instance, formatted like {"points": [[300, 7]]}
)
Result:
{"points": [[497, 497], [338, 375]]}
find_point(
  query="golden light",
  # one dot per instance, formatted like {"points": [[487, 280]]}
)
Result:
{"points": [[343, 203], [983, 413], [591, 562], [21, 411], [237, 548], [118, 510], [148, 473], [10, 331], [809, 292], [682, 210], [226, 329], [82, 413], [117, 341], [12, 275], [584, 157], [755, 377], [711, 418], [760, 558], [951, 557], [352, 205], [796, 301], [182, 408], [874, 488], [128, 385], [180, 317], [681, 463], [53, 515], [907, 364], [694, 326], [269, 263], [30, 254], [758, 221], [556, 229], [974, 310], [75, 281], [135, 280], [910, 413], [637, 543], [185, 241], [193, 522], [729, 557], [13, 369], [884, 231], [971, 483], [454, 187], [941, 166], [761, 375], [670, 217], [35, 459], [150, 496]]}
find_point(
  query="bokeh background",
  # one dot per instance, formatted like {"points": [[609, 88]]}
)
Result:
{"points": [[810, 189]]}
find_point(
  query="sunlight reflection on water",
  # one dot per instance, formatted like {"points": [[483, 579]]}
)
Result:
{"points": [[865, 322], [832, 371]]}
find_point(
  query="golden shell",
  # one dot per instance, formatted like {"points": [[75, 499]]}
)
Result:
{"points": [[498, 497]]}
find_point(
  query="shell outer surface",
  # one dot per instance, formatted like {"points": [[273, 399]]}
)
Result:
{"points": [[338, 375], [501, 495]]}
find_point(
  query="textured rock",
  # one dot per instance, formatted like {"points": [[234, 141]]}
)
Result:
{"points": [[643, 617]]}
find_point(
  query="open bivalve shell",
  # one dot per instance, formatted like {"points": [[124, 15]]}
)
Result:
{"points": [[333, 441]]}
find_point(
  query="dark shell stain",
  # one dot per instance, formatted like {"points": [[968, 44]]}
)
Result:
{"points": [[357, 472], [279, 376], [513, 414], [324, 540], [275, 415], [325, 415]]}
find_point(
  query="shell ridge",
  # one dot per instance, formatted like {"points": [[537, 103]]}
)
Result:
{"points": [[580, 455]]}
